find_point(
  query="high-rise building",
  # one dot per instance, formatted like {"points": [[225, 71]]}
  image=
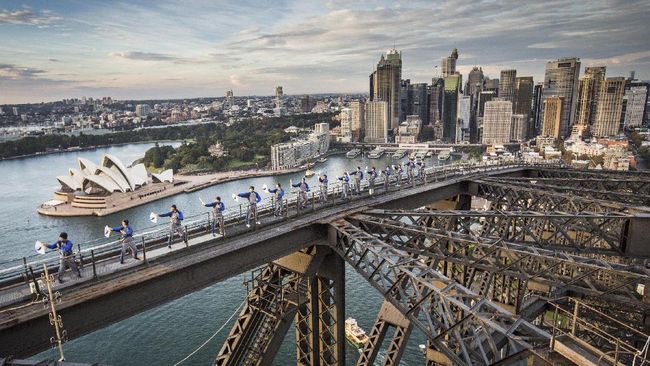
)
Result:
{"points": [[142, 110], [483, 98], [417, 101], [346, 125], [377, 123], [497, 121], [278, 96], [537, 110], [474, 82], [449, 64], [436, 97], [507, 85], [523, 103], [561, 79], [491, 85], [358, 119], [450, 108], [610, 105], [385, 84], [587, 95], [230, 100], [464, 118], [404, 99], [306, 104], [519, 127], [552, 120], [636, 105]]}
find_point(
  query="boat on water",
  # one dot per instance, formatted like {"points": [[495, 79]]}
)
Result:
{"points": [[353, 153], [413, 155], [444, 155], [399, 154], [428, 154], [377, 153], [310, 173], [421, 154], [322, 160], [354, 334]]}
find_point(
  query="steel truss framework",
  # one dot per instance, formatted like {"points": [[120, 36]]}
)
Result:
{"points": [[545, 267], [307, 286]]}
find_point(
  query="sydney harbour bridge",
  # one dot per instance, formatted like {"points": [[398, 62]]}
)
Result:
{"points": [[515, 264]]}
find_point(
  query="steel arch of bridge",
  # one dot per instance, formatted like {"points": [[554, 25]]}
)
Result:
{"points": [[550, 270]]}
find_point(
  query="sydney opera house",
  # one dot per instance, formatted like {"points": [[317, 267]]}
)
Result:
{"points": [[107, 187], [111, 175]]}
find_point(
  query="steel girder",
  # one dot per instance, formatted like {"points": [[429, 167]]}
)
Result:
{"points": [[487, 259], [582, 173], [467, 328], [583, 232], [619, 185], [282, 290], [585, 188]]}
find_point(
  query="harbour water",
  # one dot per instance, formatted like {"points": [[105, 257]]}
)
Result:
{"points": [[166, 334]]}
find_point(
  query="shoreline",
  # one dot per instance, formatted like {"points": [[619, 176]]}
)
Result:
{"points": [[191, 183], [86, 148]]}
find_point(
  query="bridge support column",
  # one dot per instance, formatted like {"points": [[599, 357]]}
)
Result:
{"points": [[277, 293]]}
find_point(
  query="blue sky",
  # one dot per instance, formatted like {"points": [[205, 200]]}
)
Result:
{"points": [[172, 49]]}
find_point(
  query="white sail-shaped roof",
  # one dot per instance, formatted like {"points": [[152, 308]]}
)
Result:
{"points": [[102, 182], [114, 176], [76, 175], [165, 176], [86, 166], [68, 183], [115, 164], [139, 174]]}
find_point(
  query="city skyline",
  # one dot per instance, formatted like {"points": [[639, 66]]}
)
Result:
{"points": [[52, 51]]}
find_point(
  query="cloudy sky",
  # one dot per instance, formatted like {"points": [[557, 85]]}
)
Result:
{"points": [[169, 49]]}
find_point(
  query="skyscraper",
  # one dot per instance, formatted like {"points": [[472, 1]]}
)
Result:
{"points": [[449, 64], [278, 96], [464, 118], [376, 122], [491, 85], [587, 95], [435, 100], [519, 126], [474, 82], [450, 108], [610, 105], [483, 98], [358, 119], [524, 101], [636, 104], [404, 99], [561, 79], [537, 110], [552, 120], [497, 120], [230, 100], [417, 101], [385, 84], [507, 85]]}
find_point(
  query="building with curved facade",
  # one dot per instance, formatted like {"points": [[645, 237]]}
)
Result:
{"points": [[110, 176]]}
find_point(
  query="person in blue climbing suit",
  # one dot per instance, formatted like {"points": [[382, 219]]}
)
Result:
{"points": [[175, 225], [218, 208], [421, 172], [278, 194], [345, 183], [358, 177], [386, 173], [322, 182], [302, 193], [410, 171], [399, 172], [253, 199], [66, 255], [126, 237], [372, 175]]}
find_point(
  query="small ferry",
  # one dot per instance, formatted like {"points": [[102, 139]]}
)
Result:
{"points": [[353, 153], [413, 155], [421, 154], [354, 333], [310, 173], [322, 160], [444, 155], [398, 154], [377, 153]]}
